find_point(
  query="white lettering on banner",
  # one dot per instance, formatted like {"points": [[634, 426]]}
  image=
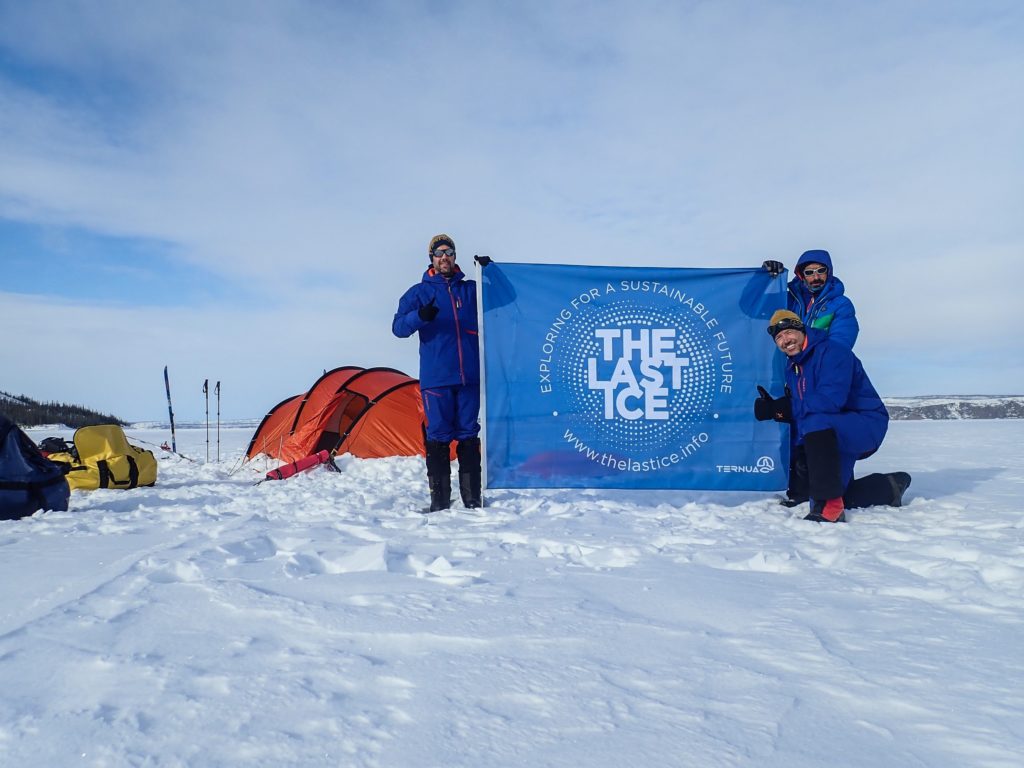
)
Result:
{"points": [[725, 359], [626, 394], [636, 365], [548, 349], [649, 464], [585, 298], [764, 465], [674, 294]]}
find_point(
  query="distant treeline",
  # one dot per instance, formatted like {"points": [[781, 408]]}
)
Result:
{"points": [[27, 412]]}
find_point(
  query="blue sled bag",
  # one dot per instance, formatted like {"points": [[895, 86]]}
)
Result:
{"points": [[28, 481]]}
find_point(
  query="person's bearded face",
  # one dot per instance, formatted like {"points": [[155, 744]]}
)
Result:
{"points": [[815, 276]]}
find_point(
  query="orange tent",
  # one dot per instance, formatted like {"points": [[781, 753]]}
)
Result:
{"points": [[368, 412]]}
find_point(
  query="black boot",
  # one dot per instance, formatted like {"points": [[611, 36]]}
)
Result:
{"points": [[877, 489], [468, 452], [899, 481], [824, 484], [831, 511], [439, 474], [796, 493]]}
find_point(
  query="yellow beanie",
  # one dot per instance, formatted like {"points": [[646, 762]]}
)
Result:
{"points": [[437, 240], [783, 319]]}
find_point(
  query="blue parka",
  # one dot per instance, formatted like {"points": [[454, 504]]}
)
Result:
{"points": [[449, 345], [830, 390], [829, 309]]}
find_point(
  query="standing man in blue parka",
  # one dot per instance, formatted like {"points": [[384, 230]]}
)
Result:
{"points": [[442, 309]]}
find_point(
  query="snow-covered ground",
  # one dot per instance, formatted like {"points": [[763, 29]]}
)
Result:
{"points": [[321, 621]]}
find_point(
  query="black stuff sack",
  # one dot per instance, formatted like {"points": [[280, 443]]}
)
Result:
{"points": [[28, 481], [56, 445]]}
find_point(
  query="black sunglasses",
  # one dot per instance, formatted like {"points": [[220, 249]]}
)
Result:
{"points": [[439, 252]]}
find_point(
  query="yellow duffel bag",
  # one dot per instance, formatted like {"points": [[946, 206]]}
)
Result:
{"points": [[107, 460]]}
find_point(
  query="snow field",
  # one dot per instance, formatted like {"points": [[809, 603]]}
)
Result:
{"points": [[320, 621]]}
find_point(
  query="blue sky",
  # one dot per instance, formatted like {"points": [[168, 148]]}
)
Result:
{"points": [[76, 262], [242, 191]]}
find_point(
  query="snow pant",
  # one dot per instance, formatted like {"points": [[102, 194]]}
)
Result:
{"points": [[824, 465], [874, 490], [452, 413], [797, 488], [877, 489], [857, 435]]}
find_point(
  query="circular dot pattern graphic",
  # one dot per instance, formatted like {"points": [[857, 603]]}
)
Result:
{"points": [[686, 404]]}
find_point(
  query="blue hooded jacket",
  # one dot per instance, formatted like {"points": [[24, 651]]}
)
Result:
{"points": [[830, 390], [449, 345], [829, 309]]}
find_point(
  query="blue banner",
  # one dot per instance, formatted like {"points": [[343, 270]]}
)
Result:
{"points": [[629, 377]]}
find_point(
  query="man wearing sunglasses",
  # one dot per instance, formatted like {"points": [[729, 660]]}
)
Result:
{"points": [[441, 308], [819, 298], [836, 416]]}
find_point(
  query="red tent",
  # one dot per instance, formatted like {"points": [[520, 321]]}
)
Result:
{"points": [[368, 412]]}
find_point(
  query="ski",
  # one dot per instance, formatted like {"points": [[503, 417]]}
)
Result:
{"points": [[170, 411]]}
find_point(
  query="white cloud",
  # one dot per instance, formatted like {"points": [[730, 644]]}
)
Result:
{"points": [[301, 146], [112, 358]]}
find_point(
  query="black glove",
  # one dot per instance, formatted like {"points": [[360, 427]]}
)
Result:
{"points": [[766, 407], [429, 311], [483, 261], [775, 268]]}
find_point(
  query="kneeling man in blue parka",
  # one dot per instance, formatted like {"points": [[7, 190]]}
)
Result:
{"points": [[837, 417]]}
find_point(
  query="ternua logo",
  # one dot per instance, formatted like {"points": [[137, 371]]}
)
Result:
{"points": [[764, 465]]}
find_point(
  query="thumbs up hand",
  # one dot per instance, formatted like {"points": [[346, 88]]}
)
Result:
{"points": [[778, 409], [429, 311]]}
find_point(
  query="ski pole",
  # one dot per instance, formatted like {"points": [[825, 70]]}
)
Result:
{"points": [[206, 396], [217, 391], [170, 411]]}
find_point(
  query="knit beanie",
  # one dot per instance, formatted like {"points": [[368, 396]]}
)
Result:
{"points": [[782, 320], [437, 240]]}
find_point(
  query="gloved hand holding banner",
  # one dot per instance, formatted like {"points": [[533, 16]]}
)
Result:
{"points": [[629, 377]]}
